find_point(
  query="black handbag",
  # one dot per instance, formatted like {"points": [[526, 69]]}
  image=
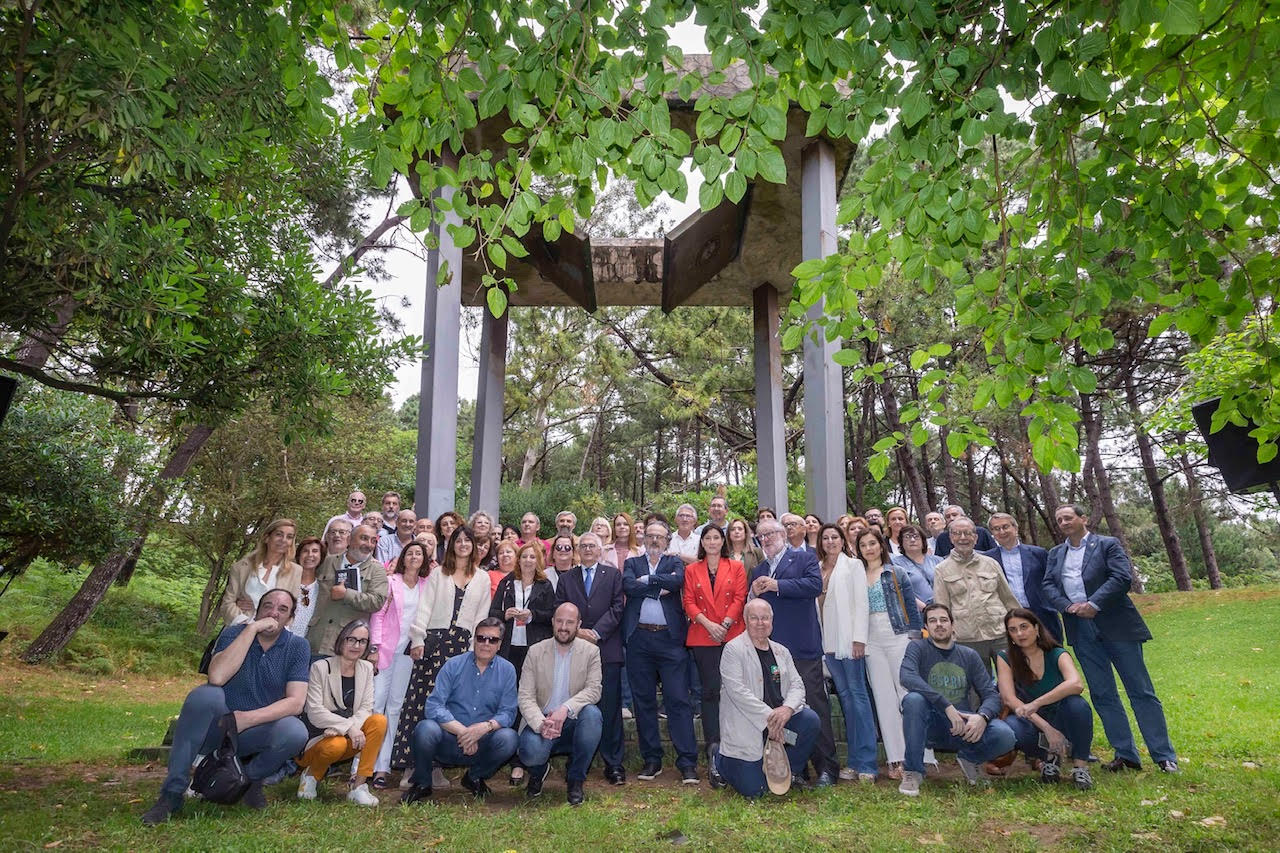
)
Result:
{"points": [[220, 777], [207, 657]]}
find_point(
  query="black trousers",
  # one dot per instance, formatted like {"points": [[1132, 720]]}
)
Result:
{"points": [[611, 715], [815, 696], [707, 659]]}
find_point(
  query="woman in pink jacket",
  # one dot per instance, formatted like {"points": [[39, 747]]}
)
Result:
{"points": [[389, 632]]}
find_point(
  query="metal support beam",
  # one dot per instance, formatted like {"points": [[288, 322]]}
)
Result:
{"points": [[438, 401], [824, 474], [486, 453], [771, 449]]}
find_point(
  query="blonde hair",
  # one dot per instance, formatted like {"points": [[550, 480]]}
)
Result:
{"points": [[539, 571], [260, 552]]}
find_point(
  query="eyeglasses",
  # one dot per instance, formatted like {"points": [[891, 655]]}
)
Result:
{"points": [[909, 535], [358, 641], [564, 548], [355, 500], [770, 533], [488, 639]]}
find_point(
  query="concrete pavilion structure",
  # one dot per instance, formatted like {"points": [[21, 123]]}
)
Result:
{"points": [[735, 255]]}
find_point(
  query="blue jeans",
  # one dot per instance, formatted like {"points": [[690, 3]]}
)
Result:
{"points": [[924, 725], [431, 743], [652, 656], [270, 744], [578, 739], [1097, 656], [850, 676], [1072, 716], [747, 777]]}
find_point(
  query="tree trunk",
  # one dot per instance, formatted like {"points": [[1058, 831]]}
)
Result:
{"points": [[1202, 523], [59, 632], [657, 461], [860, 447], [930, 489], [948, 468], [35, 349], [1159, 503], [1092, 416], [971, 479], [531, 452], [906, 459], [209, 597], [1048, 489]]}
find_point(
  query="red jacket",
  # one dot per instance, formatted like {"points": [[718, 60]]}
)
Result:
{"points": [[726, 600]]}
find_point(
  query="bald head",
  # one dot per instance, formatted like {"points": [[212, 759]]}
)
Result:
{"points": [[564, 624]]}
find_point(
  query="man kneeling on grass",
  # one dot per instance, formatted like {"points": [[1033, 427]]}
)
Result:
{"points": [[259, 673], [935, 713]]}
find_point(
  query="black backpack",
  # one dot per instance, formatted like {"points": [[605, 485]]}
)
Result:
{"points": [[220, 777]]}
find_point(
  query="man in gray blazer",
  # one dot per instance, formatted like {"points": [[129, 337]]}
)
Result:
{"points": [[761, 697], [559, 689], [1087, 579], [339, 603]]}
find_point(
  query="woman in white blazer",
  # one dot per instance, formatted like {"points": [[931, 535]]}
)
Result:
{"points": [[843, 607], [339, 715]]}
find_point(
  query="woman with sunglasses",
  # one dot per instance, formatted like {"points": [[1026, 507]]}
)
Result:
{"points": [[339, 715], [389, 630], [564, 556], [459, 600]]}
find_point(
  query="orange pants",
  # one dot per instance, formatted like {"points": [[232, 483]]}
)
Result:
{"points": [[330, 750]]}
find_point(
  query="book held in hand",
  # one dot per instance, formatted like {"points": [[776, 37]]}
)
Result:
{"points": [[348, 576]]}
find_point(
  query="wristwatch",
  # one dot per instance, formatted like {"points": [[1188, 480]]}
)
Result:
{"points": [[985, 716]]}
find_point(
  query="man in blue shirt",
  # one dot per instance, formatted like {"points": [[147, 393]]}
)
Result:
{"points": [[469, 716], [259, 673]]}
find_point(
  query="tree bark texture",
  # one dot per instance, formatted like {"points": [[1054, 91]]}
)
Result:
{"points": [[1202, 523], [1159, 503]]}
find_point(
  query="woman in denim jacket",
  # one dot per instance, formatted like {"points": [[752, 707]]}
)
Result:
{"points": [[893, 620]]}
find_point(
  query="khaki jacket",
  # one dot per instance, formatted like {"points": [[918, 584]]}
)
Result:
{"points": [[977, 593], [330, 615], [742, 708], [538, 675]]}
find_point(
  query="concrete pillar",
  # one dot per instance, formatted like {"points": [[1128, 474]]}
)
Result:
{"points": [[438, 402], [771, 448], [486, 452], [825, 493]]}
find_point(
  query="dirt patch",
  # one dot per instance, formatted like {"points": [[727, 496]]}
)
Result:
{"points": [[1049, 835]]}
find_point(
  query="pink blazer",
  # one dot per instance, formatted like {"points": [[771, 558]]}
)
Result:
{"points": [[384, 626]]}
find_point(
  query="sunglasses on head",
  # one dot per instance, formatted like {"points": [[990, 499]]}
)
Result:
{"points": [[488, 639]]}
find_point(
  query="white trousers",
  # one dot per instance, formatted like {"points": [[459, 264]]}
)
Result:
{"points": [[885, 651], [389, 687]]}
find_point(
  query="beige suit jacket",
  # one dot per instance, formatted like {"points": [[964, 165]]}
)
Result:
{"points": [[324, 698], [536, 680], [289, 577]]}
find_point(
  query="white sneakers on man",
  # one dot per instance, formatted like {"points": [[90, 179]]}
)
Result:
{"points": [[360, 795]]}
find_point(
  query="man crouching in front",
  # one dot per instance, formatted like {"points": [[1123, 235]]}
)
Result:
{"points": [[258, 673]]}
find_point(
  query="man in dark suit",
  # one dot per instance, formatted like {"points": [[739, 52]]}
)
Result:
{"points": [[1087, 579], [791, 581], [596, 590], [942, 545], [1024, 569], [654, 628]]}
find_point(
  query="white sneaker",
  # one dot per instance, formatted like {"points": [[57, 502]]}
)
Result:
{"points": [[360, 795], [438, 780], [307, 787], [848, 774], [627, 715], [910, 784]]}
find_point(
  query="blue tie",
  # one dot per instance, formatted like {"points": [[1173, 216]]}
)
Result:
{"points": [[587, 579]]}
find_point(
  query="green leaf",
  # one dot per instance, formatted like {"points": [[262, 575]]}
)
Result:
{"points": [[1181, 18], [884, 444], [792, 336], [498, 255], [1093, 87], [1266, 452], [918, 358], [710, 194], [463, 235], [957, 443], [527, 115], [915, 107], [772, 167], [496, 297], [878, 465], [735, 186]]}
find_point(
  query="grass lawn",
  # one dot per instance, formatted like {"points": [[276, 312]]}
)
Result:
{"points": [[64, 783]]}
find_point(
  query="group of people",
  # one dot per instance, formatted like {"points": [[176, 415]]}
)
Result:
{"points": [[411, 645]]}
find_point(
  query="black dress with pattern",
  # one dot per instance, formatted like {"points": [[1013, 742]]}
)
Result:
{"points": [[443, 644]]}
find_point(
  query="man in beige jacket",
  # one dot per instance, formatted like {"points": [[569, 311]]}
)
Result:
{"points": [[559, 689], [974, 588], [337, 603]]}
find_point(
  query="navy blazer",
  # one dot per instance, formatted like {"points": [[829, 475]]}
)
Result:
{"points": [[603, 613], [795, 611], [1034, 559], [668, 577], [1106, 573], [942, 544]]}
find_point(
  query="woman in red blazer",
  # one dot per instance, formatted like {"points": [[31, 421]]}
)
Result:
{"points": [[715, 590]]}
